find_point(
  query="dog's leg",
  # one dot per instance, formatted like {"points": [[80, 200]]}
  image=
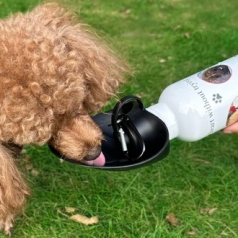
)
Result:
{"points": [[13, 190]]}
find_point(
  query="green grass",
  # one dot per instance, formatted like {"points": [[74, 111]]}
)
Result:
{"points": [[164, 41]]}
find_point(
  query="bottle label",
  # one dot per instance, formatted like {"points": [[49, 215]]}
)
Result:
{"points": [[202, 103], [206, 102], [221, 83], [217, 75]]}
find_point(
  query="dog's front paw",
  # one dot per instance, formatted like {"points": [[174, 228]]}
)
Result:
{"points": [[7, 226]]}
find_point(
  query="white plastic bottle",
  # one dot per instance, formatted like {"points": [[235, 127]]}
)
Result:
{"points": [[201, 104]]}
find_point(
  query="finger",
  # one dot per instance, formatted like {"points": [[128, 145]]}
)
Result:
{"points": [[231, 129]]}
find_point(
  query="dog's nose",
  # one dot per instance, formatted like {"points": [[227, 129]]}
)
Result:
{"points": [[93, 154]]}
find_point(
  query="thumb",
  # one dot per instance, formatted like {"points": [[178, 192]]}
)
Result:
{"points": [[231, 129]]}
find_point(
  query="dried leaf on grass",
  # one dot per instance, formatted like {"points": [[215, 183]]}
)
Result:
{"points": [[29, 167], [78, 217], [23, 151], [187, 35], [204, 211], [209, 211], [34, 172], [126, 11], [172, 220], [84, 220], [202, 161], [192, 233], [70, 209], [162, 60]]}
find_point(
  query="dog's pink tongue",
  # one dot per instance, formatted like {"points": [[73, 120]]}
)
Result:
{"points": [[99, 161]]}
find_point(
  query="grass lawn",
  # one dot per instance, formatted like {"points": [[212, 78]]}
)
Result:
{"points": [[164, 41]]}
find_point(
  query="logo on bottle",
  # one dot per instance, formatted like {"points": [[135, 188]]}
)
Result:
{"points": [[217, 98], [216, 74]]}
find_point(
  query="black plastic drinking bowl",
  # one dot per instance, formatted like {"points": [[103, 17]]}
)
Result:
{"points": [[144, 133]]}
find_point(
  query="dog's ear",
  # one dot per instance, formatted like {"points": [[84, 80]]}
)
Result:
{"points": [[90, 60], [103, 72], [98, 67]]}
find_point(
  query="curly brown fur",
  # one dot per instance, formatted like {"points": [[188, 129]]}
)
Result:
{"points": [[53, 73], [13, 190]]}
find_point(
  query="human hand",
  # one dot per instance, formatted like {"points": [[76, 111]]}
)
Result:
{"points": [[231, 129]]}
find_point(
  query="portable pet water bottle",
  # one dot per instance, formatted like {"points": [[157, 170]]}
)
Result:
{"points": [[189, 109], [201, 104]]}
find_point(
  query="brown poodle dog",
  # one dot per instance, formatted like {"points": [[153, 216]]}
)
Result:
{"points": [[53, 74]]}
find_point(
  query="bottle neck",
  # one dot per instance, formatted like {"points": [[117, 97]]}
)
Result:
{"points": [[164, 113]]}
